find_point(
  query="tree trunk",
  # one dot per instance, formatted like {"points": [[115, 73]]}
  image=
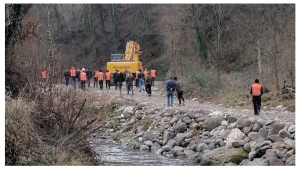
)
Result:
{"points": [[275, 52]]}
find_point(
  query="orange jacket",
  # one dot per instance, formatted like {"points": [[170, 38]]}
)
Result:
{"points": [[82, 76], [153, 73], [73, 73], [256, 89], [107, 76], [100, 76], [44, 74]]}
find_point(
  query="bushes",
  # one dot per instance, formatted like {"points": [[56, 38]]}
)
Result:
{"points": [[51, 130]]}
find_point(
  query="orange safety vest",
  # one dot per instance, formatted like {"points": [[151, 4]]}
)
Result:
{"points": [[153, 73], [44, 74], [145, 73], [100, 76], [96, 74], [256, 89], [107, 76], [73, 73], [82, 76], [136, 74]]}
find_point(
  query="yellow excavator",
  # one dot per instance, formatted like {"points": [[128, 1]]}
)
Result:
{"points": [[130, 61]]}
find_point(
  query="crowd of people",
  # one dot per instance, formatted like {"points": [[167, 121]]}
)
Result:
{"points": [[143, 81]]}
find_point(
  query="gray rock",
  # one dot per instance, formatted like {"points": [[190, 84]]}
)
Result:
{"points": [[187, 120], [172, 143], [240, 121], [246, 130], [200, 125], [289, 142], [187, 135], [247, 147], [174, 120], [218, 141], [179, 138], [188, 152], [235, 134], [212, 122], [159, 151], [201, 147], [232, 119], [209, 141], [256, 127], [263, 133], [270, 154], [292, 129], [253, 136], [144, 147], [290, 161], [275, 162], [277, 145], [126, 115], [180, 127], [166, 148], [284, 133], [200, 119], [269, 122], [261, 122], [238, 143], [224, 123], [148, 143], [139, 106], [211, 146], [251, 155], [279, 154], [275, 128], [275, 138], [247, 139], [247, 122], [167, 136], [255, 162], [148, 135], [178, 148], [292, 136], [261, 151], [191, 115], [290, 153]]}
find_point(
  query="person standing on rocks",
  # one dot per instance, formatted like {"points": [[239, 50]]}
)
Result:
{"points": [[179, 90], [153, 75], [95, 78], [107, 79], [73, 76], [170, 87], [100, 77], [115, 74], [256, 91], [67, 76], [141, 77], [88, 75], [83, 79], [120, 79]]}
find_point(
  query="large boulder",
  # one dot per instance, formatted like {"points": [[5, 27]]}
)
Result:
{"points": [[235, 134], [212, 122], [275, 128], [168, 136], [148, 135], [275, 162], [180, 127]]}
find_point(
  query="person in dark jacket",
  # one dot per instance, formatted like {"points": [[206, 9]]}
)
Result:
{"points": [[170, 88], [256, 91], [148, 82], [120, 79], [115, 74], [129, 82], [141, 77], [179, 89], [67, 76], [88, 76]]}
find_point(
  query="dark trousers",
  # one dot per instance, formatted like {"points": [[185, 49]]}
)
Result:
{"points": [[120, 85], [95, 82], [180, 97], [116, 84], [101, 84], [136, 83], [88, 82], [83, 85], [148, 89], [129, 87], [67, 81], [107, 83], [152, 81], [256, 104]]}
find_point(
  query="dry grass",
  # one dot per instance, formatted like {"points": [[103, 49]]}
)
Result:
{"points": [[52, 130]]}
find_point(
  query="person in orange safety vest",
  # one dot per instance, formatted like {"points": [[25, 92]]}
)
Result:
{"points": [[44, 76], [83, 79], [107, 79], [256, 91], [100, 79], [95, 78], [73, 76], [153, 75]]}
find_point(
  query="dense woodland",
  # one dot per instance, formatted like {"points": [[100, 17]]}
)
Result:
{"points": [[216, 49], [181, 39]]}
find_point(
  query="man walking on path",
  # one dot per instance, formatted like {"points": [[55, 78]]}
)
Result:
{"points": [[120, 79], [153, 75], [170, 88], [107, 79], [141, 77], [256, 91], [95, 78], [100, 78], [83, 79], [148, 82], [67, 76], [88, 76], [115, 78], [129, 83], [137, 79], [73, 76], [179, 89]]}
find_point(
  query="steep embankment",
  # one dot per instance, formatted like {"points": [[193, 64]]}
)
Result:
{"points": [[210, 134]]}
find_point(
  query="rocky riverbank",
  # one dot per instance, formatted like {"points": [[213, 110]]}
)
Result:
{"points": [[206, 136]]}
